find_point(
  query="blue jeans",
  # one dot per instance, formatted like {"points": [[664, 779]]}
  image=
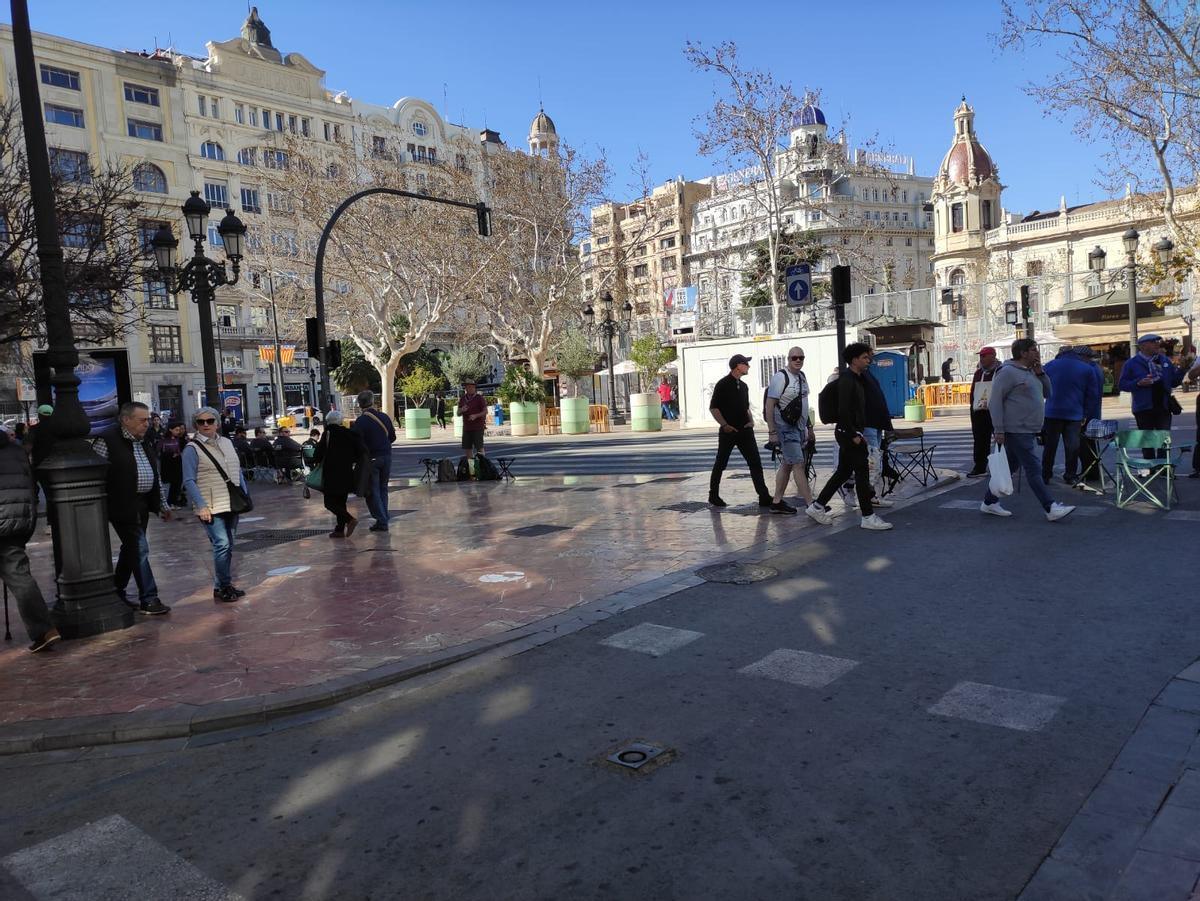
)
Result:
{"points": [[221, 532], [667, 412], [134, 557], [1021, 450], [377, 494]]}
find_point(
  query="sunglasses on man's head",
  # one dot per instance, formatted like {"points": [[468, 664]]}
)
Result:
{"points": [[205, 421]]}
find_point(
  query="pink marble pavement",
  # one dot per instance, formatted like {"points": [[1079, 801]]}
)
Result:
{"points": [[448, 572]]}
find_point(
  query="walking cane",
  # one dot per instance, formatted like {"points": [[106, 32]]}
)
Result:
{"points": [[7, 631]]}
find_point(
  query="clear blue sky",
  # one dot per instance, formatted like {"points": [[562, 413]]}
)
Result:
{"points": [[613, 75]]}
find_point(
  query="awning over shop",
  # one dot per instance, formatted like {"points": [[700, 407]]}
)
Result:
{"points": [[1109, 299], [1117, 332]]}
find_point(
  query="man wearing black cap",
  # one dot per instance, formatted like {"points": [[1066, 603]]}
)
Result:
{"points": [[730, 407]]}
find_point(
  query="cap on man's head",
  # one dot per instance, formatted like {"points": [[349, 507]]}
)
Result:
{"points": [[984, 351], [738, 360], [1143, 339], [468, 381], [45, 410]]}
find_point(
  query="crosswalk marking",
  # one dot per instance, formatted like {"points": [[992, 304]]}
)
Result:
{"points": [[802, 668], [996, 706], [1090, 510], [1184, 515], [110, 858], [652, 639]]}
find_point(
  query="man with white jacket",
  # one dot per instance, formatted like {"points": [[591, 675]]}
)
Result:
{"points": [[1017, 406]]}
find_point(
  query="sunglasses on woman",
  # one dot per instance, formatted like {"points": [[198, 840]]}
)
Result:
{"points": [[205, 421]]}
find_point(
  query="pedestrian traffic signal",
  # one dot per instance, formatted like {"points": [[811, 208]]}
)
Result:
{"points": [[1010, 312], [839, 284], [333, 358], [484, 217], [312, 333], [1026, 307]]}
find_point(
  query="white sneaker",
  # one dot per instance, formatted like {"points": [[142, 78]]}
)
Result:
{"points": [[849, 498], [874, 523], [1058, 511], [817, 513], [994, 509], [882, 502]]}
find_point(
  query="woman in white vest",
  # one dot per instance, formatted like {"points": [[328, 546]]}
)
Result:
{"points": [[203, 460]]}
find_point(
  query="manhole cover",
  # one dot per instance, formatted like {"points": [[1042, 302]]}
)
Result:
{"points": [[536, 530], [687, 507], [637, 755], [264, 538], [736, 573]]}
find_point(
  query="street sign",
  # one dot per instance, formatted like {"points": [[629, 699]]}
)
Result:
{"points": [[799, 285]]}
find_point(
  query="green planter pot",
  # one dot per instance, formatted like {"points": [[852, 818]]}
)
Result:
{"points": [[524, 418], [458, 421], [645, 412], [914, 412], [416, 424], [574, 416]]}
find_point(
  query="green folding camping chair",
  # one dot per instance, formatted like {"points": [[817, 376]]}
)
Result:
{"points": [[1138, 476]]}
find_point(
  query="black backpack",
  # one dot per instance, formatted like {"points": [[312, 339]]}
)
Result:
{"points": [[445, 470], [485, 469], [827, 403], [768, 388], [464, 470]]}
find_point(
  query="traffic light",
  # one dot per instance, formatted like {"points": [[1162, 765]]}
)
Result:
{"points": [[333, 358], [1010, 312], [947, 297], [839, 284], [314, 340], [1026, 308], [483, 216]]}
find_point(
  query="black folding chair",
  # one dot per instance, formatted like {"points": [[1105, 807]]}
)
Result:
{"points": [[905, 451]]}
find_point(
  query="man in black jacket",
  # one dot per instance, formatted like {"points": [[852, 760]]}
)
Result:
{"points": [[852, 442], [133, 494], [981, 419], [730, 407], [18, 519]]}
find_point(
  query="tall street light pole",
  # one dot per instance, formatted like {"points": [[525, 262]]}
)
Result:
{"points": [[87, 602], [609, 328], [483, 216], [1130, 240], [201, 275]]}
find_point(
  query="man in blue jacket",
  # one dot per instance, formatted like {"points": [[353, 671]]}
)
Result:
{"points": [[1075, 386], [1149, 378]]}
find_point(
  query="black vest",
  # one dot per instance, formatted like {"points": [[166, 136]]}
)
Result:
{"points": [[124, 505], [18, 515]]}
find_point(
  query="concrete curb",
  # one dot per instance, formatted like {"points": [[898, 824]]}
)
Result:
{"points": [[32, 736], [1138, 833]]}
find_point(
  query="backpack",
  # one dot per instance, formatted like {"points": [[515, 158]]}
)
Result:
{"points": [[485, 469], [795, 409], [464, 469], [445, 471], [827, 403], [768, 388]]}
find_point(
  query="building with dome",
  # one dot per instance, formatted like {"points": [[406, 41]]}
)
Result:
{"points": [[543, 136]]}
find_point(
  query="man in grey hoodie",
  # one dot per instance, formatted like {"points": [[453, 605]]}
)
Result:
{"points": [[1017, 406]]}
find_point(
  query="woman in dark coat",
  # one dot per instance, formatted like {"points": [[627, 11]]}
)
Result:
{"points": [[340, 453]]}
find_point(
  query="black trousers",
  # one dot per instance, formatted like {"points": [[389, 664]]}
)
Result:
{"points": [[336, 504], [1155, 419], [1070, 431], [981, 438], [852, 463], [14, 572], [743, 440]]}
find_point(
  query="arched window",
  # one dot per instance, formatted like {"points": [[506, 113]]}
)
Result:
{"points": [[148, 177], [211, 150], [247, 156], [957, 278]]}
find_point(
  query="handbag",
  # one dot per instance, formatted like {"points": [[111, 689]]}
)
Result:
{"points": [[239, 500], [315, 478], [999, 476], [1173, 406], [794, 411]]}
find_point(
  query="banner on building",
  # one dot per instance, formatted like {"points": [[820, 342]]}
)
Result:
{"points": [[266, 353], [680, 300]]}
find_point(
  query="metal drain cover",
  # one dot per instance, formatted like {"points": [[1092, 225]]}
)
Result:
{"points": [[635, 755], [736, 573], [687, 507]]}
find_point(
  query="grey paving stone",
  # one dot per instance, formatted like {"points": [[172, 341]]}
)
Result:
{"points": [[996, 706], [108, 860], [1058, 880], [1175, 831], [1184, 515], [1181, 695], [1157, 877], [655, 640], [800, 668], [1123, 794], [960, 505], [1191, 674], [1186, 792], [1098, 840]]}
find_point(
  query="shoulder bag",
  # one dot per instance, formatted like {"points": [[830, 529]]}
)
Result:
{"points": [[239, 500], [794, 411]]}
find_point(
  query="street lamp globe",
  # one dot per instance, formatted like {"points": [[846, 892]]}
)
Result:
{"points": [[195, 212], [1096, 259], [627, 311], [164, 243], [607, 299], [589, 313], [1165, 250], [1130, 239], [233, 235]]}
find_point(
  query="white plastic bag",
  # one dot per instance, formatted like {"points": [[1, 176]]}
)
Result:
{"points": [[999, 477]]}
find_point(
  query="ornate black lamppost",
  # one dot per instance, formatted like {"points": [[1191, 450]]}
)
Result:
{"points": [[610, 327], [201, 275]]}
